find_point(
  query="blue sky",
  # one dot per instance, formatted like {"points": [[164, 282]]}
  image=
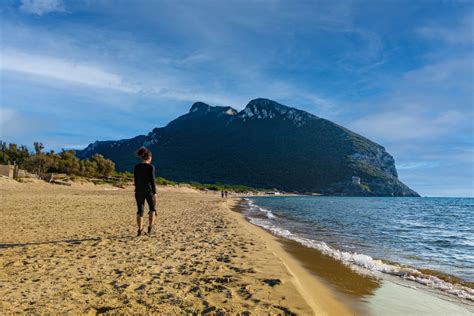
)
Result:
{"points": [[398, 72]]}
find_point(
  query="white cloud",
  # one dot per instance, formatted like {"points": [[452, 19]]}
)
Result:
{"points": [[444, 72], [407, 124], [13, 125], [459, 34], [447, 35], [190, 96], [41, 7], [6, 115], [166, 83], [123, 63], [418, 165], [62, 70]]}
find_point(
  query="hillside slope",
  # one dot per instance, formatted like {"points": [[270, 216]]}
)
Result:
{"points": [[266, 145]]}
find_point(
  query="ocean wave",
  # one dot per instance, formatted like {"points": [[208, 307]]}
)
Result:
{"points": [[255, 207], [352, 259]]}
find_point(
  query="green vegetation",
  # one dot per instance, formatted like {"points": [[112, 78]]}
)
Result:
{"points": [[64, 162], [125, 174], [209, 186], [12, 153], [224, 187], [365, 187], [97, 167], [163, 181]]}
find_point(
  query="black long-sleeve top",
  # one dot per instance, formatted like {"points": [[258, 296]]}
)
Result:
{"points": [[144, 176]]}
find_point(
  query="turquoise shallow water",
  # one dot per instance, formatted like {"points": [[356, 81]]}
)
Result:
{"points": [[423, 233]]}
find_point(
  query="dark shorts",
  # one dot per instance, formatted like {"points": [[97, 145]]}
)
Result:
{"points": [[140, 197]]}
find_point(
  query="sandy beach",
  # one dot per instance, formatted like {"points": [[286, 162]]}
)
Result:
{"points": [[74, 249]]}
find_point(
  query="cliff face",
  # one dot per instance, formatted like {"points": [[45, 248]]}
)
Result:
{"points": [[266, 145]]}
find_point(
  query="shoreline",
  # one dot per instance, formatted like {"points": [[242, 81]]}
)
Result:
{"points": [[316, 293], [367, 292], [205, 257]]}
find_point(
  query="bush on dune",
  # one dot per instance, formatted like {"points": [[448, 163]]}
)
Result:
{"points": [[64, 162]]}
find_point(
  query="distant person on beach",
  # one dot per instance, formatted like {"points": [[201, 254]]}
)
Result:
{"points": [[145, 189], [222, 194]]}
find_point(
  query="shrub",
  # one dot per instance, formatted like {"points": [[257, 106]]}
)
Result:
{"points": [[64, 162]]}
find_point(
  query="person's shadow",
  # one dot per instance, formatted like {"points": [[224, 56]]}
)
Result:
{"points": [[67, 241]]}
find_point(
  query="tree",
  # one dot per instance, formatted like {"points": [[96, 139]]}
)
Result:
{"points": [[39, 163], [13, 154], [4, 153], [64, 162], [38, 147], [105, 167], [69, 163], [88, 169]]}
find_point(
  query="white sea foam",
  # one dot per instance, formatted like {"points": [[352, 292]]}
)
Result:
{"points": [[254, 207], [352, 259]]}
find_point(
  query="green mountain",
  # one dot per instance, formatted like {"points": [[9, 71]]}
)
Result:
{"points": [[266, 145]]}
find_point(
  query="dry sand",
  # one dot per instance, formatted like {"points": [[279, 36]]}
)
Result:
{"points": [[74, 249]]}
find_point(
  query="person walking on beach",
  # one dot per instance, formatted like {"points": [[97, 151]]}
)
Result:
{"points": [[145, 189]]}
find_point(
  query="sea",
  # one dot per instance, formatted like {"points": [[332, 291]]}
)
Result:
{"points": [[425, 240]]}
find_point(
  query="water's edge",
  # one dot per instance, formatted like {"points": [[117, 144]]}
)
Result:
{"points": [[431, 279]]}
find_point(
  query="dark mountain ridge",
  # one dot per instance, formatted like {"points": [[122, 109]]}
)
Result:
{"points": [[267, 145]]}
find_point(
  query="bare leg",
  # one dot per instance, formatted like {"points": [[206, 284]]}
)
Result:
{"points": [[140, 222], [151, 219]]}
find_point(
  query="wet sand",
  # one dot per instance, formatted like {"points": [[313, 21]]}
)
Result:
{"points": [[319, 296], [367, 293], [74, 249]]}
